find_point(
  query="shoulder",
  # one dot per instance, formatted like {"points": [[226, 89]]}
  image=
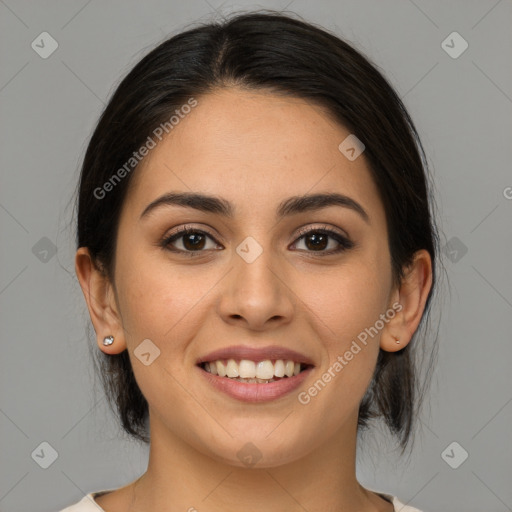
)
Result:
{"points": [[87, 503], [397, 504]]}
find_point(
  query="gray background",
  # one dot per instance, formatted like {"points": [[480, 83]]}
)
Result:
{"points": [[462, 108]]}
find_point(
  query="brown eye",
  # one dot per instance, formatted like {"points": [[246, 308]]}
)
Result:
{"points": [[195, 241], [191, 240], [317, 240]]}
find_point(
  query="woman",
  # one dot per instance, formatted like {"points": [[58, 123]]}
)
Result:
{"points": [[257, 252]]}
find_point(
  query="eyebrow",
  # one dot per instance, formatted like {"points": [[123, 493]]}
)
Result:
{"points": [[290, 206]]}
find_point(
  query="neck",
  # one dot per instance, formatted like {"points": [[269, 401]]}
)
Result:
{"points": [[179, 477]]}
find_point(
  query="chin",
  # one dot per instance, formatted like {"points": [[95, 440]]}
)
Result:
{"points": [[256, 449]]}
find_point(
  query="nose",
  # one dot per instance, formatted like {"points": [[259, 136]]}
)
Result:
{"points": [[256, 294]]}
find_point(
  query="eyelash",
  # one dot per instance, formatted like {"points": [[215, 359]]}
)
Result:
{"points": [[345, 243]]}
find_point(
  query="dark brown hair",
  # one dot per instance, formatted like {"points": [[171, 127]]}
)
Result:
{"points": [[274, 52]]}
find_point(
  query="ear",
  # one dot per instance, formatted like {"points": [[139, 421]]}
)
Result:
{"points": [[100, 298], [409, 300]]}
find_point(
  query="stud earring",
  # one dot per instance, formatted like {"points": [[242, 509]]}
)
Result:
{"points": [[108, 340], [397, 340]]}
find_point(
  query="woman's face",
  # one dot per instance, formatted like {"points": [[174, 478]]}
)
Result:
{"points": [[254, 279]]}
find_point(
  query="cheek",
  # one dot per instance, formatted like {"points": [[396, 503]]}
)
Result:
{"points": [[347, 303], [347, 315], [162, 301], [148, 299], [348, 298]]}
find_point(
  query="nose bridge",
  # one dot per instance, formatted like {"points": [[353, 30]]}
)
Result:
{"points": [[253, 265], [255, 290]]}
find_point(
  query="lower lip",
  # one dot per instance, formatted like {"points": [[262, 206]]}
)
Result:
{"points": [[253, 391]]}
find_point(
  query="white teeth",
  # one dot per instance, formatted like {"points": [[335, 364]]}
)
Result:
{"points": [[221, 369], [251, 371], [247, 369], [265, 370], [255, 381], [279, 368], [232, 369]]}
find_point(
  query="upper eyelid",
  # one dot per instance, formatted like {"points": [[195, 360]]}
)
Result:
{"points": [[302, 231]]}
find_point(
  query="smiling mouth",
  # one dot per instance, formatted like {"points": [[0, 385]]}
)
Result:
{"points": [[252, 372]]}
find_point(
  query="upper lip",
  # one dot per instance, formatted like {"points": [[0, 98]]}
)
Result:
{"points": [[239, 352]]}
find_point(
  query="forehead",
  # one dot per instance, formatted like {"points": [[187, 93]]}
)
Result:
{"points": [[253, 148]]}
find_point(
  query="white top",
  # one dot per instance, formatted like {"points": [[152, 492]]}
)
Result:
{"points": [[87, 503]]}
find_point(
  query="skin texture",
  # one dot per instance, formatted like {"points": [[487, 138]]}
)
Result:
{"points": [[254, 149]]}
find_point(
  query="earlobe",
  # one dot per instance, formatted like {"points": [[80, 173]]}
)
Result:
{"points": [[98, 294], [412, 296]]}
